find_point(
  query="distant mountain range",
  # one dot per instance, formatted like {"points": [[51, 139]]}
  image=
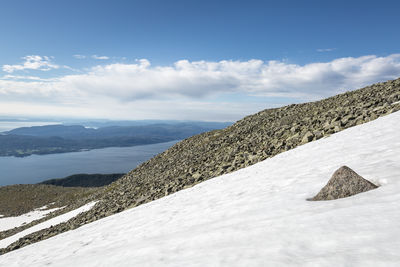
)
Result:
{"points": [[61, 138]]}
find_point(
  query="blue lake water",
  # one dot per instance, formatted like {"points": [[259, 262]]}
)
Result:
{"points": [[36, 168]]}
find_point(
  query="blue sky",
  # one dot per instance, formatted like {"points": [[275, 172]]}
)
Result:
{"points": [[209, 60]]}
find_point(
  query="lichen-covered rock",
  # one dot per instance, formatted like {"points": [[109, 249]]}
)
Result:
{"points": [[344, 183], [308, 137]]}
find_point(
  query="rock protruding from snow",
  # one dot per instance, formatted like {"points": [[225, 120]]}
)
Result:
{"points": [[344, 183]]}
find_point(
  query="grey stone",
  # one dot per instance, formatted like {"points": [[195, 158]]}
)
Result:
{"points": [[308, 137], [344, 183], [318, 134]]}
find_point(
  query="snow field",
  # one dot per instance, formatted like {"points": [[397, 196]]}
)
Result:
{"points": [[46, 224], [11, 222]]}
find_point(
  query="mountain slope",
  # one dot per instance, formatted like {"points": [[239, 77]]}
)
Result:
{"points": [[257, 216], [22, 198], [247, 142]]}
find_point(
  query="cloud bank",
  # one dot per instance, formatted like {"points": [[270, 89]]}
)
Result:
{"points": [[223, 90]]}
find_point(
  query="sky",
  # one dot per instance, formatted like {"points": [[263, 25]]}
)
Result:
{"points": [[188, 60]]}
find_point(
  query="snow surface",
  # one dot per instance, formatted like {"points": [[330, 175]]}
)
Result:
{"points": [[11, 222], [257, 216], [53, 221]]}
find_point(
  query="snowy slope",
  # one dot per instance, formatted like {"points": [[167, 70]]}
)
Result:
{"points": [[256, 216], [46, 224], [11, 222]]}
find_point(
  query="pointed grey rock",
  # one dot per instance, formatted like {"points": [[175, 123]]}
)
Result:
{"points": [[344, 183]]}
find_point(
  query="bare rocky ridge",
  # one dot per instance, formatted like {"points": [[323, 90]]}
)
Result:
{"points": [[344, 183], [247, 142]]}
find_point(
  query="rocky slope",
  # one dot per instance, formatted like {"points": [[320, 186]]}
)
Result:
{"points": [[22, 198], [248, 141]]}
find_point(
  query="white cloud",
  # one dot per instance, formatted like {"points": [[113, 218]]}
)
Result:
{"points": [[325, 49], [146, 109], [33, 62], [198, 79], [200, 89], [100, 57], [79, 56], [22, 77]]}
